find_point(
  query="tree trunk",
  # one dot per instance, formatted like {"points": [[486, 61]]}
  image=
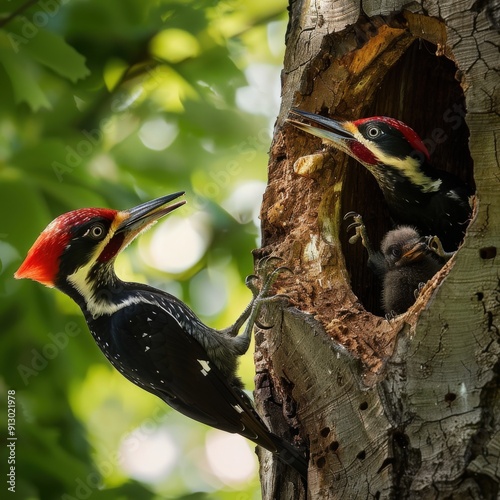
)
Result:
{"points": [[407, 408]]}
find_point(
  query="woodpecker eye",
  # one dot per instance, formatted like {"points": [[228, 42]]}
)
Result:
{"points": [[96, 232], [395, 251], [373, 132]]}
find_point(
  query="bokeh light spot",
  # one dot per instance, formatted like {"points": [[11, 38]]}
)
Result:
{"points": [[157, 134], [230, 457], [208, 291], [245, 201], [174, 45], [148, 456], [179, 243], [262, 95]]}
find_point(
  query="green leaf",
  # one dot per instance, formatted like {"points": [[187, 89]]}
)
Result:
{"points": [[52, 51], [18, 195], [84, 147], [21, 74]]}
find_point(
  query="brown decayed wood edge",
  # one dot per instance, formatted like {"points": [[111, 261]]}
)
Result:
{"points": [[302, 223], [301, 219], [365, 409]]}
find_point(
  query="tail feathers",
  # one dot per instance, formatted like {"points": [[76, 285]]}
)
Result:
{"points": [[290, 455], [256, 430]]}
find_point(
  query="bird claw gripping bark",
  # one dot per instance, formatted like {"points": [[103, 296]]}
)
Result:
{"points": [[390, 316], [360, 231], [155, 340], [417, 291], [251, 283], [267, 274], [434, 244]]}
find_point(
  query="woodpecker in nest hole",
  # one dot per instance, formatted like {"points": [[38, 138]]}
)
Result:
{"points": [[433, 201], [148, 335]]}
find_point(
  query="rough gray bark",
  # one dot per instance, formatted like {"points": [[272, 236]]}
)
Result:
{"points": [[407, 408]]}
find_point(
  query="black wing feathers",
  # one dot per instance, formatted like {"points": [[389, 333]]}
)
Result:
{"points": [[147, 343], [174, 366]]}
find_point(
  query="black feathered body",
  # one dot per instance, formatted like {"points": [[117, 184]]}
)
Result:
{"points": [[444, 212], [401, 283], [151, 337], [159, 344]]}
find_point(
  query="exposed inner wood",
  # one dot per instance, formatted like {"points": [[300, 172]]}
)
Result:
{"points": [[406, 408], [382, 70], [422, 91]]}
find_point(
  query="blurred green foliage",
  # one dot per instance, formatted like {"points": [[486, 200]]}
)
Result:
{"points": [[110, 103]]}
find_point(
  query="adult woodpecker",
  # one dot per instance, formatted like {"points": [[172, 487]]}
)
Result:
{"points": [[148, 335], [417, 194], [406, 261]]}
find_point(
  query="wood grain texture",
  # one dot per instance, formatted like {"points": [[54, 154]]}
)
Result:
{"points": [[406, 408]]}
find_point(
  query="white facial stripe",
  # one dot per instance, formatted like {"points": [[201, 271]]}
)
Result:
{"points": [[408, 167], [96, 306], [79, 278]]}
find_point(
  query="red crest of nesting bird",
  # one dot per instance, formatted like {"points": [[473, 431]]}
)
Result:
{"points": [[417, 193]]}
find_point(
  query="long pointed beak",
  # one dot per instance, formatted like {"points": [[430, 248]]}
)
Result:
{"points": [[139, 218], [332, 130]]}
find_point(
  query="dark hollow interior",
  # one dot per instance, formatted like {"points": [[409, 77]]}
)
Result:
{"points": [[421, 90]]}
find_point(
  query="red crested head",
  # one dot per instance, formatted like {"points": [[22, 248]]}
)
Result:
{"points": [[392, 136], [78, 243], [374, 142], [43, 259], [387, 147]]}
